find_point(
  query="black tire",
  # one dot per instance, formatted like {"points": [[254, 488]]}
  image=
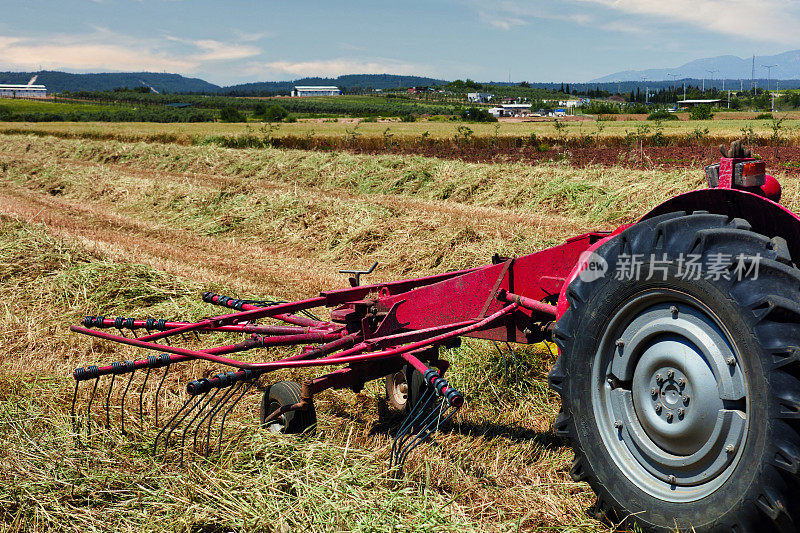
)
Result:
{"points": [[402, 394], [286, 393], [746, 477]]}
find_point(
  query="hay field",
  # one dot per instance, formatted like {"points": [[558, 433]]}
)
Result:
{"points": [[730, 127], [137, 229]]}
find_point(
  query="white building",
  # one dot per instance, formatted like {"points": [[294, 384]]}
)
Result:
{"points": [[23, 91], [511, 110], [480, 98], [312, 90]]}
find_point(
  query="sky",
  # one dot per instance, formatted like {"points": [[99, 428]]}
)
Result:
{"points": [[230, 41]]}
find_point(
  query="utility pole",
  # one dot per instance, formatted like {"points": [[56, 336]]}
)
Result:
{"points": [[673, 76], [712, 78], [769, 76], [644, 79]]}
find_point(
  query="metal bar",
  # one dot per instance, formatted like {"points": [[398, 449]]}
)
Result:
{"points": [[274, 365], [527, 303]]}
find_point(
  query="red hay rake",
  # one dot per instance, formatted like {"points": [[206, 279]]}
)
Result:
{"points": [[680, 395]]}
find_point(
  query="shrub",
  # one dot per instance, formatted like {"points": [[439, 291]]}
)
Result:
{"points": [[477, 114], [5, 113], [275, 113], [408, 117], [765, 116], [601, 108], [661, 114], [231, 114], [701, 112]]}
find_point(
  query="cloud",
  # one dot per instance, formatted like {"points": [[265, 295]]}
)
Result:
{"points": [[757, 20], [105, 50], [337, 67]]}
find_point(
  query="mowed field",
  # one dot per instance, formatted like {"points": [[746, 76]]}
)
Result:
{"points": [[141, 229]]}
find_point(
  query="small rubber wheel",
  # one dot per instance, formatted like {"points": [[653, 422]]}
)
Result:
{"points": [[401, 394], [286, 393], [679, 389]]}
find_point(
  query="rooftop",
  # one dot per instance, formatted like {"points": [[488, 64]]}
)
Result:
{"points": [[699, 101], [4, 86], [316, 87]]}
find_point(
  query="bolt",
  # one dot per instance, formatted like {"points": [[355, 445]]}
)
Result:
{"points": [[659, 378], [670, 374], [673, 309], [620, 343], [731, 361], [673, 480], [730, 448], [682, 382], [653, 391], [618, 424], [610, 382], [686, 399], [681, 412], [669, 417], [658, 408]]}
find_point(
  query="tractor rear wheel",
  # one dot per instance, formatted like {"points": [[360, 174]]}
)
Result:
{"points": [[279, 395], [680, 396]]}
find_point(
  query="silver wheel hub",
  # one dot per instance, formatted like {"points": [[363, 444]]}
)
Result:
{"points": [[671, 396]]}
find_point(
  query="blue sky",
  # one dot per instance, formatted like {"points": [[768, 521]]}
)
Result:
{"points": [[228, 42]]}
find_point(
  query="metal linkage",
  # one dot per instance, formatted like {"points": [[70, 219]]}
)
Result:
{"points": [[438, 404]]}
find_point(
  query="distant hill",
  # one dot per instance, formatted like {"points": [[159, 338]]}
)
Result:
{"points": [[728, 67], [376, 81], [57, 82]]}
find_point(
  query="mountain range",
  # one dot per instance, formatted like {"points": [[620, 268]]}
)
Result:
{"points": [[785, 66], [57, 82]]}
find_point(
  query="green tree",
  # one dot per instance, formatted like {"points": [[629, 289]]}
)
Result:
{"points": [[231, 114], [701, 112]]}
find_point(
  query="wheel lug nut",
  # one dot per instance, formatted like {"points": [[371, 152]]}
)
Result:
{"points": [[620, 343], [653, 391], [673, 309], [730, 448], [686, 399], [673, 479], [658, 408], [618, 424], [731, 361], [670, 374], [682, 382], [669, 417], [681, 412], [659, 378]]}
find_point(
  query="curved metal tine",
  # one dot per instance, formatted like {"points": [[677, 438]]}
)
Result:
{"points": [[141, 398], [179, 422], [514, 358], [429, 419], [422, 406], [231, 392], [89, 409], [211, 412], [505, 361], [176, 415], [228, 410], [189, 424], [430, 429], [72, 415], [158, 390], [122, 402], [108, 402], [407, 426]]}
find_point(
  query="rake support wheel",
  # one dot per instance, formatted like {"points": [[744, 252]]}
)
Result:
{"points": [[278, 395], [403, 393], [680, 397]]}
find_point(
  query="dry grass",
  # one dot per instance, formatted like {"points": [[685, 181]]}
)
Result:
{"points": [[141, 229]]}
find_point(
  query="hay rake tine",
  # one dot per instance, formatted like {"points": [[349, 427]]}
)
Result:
{"points": [[141, 397], [408, 423], [89, 408], [228, 410], [437, 419], [176, 415], [231, 392], [122, 402], [176, 425], [108, 402], [72, 415], [192, 421], [210, 416], [158, 390]]}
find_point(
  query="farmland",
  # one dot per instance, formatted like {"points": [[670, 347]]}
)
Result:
{"points": [[105, 223]]}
